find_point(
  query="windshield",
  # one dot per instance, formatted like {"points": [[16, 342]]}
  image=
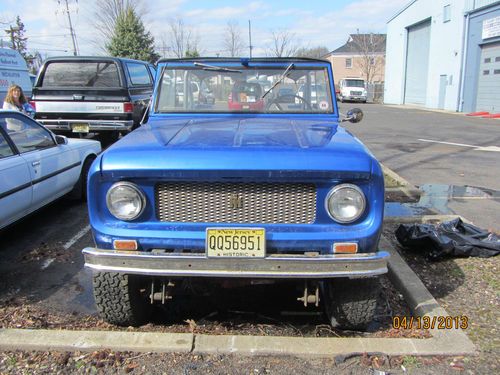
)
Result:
{"points": [[244, 89], [81, 74], [354, 83]]}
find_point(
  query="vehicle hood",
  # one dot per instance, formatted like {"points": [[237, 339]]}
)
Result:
{"points": [[178, 147]]}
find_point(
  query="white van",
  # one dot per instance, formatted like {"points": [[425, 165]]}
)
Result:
{"points": [[352, 89], [13, 70]]}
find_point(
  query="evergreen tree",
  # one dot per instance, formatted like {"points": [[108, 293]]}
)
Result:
{"points": [[192, 53], [19, 41], [131, 40]]}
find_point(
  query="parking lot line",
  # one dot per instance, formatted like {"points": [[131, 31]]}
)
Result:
{"points": [[476, 148], [76, 237]]}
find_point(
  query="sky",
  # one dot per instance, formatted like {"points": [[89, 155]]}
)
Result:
{"points": [[312, 23]]}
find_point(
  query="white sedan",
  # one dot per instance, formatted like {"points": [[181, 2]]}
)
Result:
{"points": [[37, 166]]}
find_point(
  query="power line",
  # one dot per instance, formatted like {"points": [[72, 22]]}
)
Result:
{"points": [[72, 31]]}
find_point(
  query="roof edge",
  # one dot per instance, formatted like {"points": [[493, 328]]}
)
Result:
{"points": [[240, 59], [402, 10]]}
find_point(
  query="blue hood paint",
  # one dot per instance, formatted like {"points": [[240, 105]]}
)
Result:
{"points": [[168, 145]]}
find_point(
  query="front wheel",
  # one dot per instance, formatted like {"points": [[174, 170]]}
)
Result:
{"points": [[122, 299], [351, 303]]}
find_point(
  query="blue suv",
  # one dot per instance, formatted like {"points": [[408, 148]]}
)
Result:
{"points": [[212, 192]]}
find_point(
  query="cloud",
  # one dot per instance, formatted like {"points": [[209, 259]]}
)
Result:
{"points": [[312, 25], [253, 9]]}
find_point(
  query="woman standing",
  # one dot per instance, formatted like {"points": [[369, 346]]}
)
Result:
{"points": [[16, 100]]}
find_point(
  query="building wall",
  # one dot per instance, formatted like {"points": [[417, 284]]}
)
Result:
{"points": [[445, 51], [474, 42], [340, 71]]}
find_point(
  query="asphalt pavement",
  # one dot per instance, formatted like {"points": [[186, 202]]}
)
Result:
{"points": [[455, 157]]}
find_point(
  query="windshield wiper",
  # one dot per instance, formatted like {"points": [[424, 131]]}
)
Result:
{"points": [[280, 79], [216, 68]]}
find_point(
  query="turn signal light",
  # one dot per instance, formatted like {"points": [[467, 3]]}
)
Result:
{"points": [[130, 245], [345, 248]]}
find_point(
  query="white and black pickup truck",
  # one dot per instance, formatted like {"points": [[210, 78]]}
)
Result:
{"points": [[104, 95]]}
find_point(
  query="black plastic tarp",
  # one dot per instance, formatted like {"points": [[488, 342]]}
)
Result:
{"points": [[451, 238]]}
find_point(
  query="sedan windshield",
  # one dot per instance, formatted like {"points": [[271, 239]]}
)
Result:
{"points": [[243, 89]]}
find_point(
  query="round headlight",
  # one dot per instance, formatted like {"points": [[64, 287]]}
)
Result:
{"points": [[125, 201], [345, 203]]}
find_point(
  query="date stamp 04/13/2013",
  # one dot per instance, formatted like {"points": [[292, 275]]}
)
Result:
{"points": [[430, 322]]}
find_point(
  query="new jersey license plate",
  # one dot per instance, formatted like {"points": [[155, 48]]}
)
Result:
{"points": [[80, 128], [236, 242]]}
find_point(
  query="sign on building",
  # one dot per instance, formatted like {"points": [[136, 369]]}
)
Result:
{"points": [[491, 28]]}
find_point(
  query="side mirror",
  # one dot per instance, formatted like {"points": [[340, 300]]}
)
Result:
{"points": [[354, 115], [61, 140]]}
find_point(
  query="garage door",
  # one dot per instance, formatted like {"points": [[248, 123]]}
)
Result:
{"points": [[488, 85], [417, 63]]}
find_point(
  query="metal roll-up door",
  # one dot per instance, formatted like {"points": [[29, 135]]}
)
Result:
{"points": [[488, 85], [417, 63]]}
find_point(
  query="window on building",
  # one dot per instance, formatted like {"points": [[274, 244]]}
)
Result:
{"points": [[496, 71], [447, 13], [487, 60], [348, 63], [497, 59], [486, 72]]}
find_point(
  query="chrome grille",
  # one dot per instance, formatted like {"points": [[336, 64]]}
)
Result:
{"points": [[235, 203]]}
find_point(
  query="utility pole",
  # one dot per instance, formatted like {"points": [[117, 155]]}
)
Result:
{"points": [[250, 37], [11, 31], [73, 35]]}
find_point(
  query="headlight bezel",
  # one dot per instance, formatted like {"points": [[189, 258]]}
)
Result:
{"points": [[136, 189], [334, 190]]}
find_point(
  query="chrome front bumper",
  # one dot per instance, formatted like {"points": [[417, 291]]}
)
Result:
{"points": [[94, 125], [272, 266]]}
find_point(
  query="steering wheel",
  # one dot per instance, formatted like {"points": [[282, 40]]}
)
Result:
{"points": [[279, 99]]}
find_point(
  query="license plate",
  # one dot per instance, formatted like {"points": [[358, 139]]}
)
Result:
{"points": [[236, 242], [80, 128], [245, 107]]}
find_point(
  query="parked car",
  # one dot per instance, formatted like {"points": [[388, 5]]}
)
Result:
{"points": [[352, 89], [246, 96], [104, 95], [203, 195], [37, 166]]}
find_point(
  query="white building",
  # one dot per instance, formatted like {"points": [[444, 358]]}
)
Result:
{"points": [[445, 54]]}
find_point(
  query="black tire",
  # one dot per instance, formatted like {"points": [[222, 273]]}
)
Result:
{"points": [[79, 191], [122, 299], [350, 304]]}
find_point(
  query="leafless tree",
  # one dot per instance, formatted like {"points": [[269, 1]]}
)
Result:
{"points": [[183, 40], [233, 43], [371, 50], [283, 44], [106, 13]]}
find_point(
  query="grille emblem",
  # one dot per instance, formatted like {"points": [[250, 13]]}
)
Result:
{"points": [[235, 201]]}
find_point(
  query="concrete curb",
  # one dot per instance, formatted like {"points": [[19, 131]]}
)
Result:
{"points": [[422, 303], [427, 219], [406, 190], [66, 340]]}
